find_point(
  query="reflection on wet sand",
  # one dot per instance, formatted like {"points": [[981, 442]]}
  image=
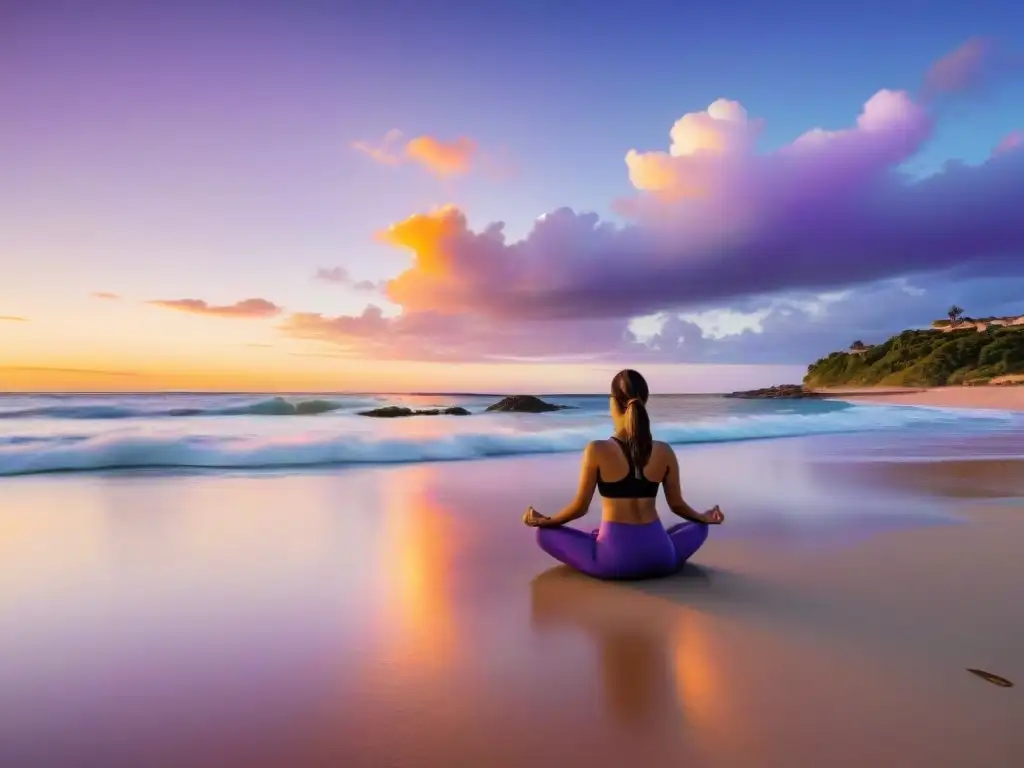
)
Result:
{"points": [[417, 546], [654, 656], [700, 683]]}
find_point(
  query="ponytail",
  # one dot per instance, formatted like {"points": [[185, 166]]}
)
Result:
{"points": [[638, 435], [630, 392]]}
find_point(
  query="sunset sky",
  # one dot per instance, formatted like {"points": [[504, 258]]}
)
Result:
{"points": [[484, 196]]}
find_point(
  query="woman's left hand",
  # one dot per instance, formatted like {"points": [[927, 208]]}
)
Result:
{"points": [[535, 519], [714, 516]]}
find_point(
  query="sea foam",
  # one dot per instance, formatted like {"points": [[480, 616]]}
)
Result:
{"points": [[448, 438]]}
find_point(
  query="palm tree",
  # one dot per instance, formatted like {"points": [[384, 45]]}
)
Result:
{"points": [[954, 313]]}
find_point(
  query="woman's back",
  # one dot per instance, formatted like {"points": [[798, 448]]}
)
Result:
{"points": [[625, 497]]}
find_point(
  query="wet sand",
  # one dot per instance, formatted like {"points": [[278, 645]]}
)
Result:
{"points": [[1008, 397], [402, 616]]}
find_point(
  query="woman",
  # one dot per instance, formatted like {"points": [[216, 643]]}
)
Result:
{"points": [[631, 542]]}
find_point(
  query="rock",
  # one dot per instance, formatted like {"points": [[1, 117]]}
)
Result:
{"points": [[781, 391], [395, 411], [525, 404]]}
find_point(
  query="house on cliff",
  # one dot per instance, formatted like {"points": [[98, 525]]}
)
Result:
{"points": [[982, 324]]}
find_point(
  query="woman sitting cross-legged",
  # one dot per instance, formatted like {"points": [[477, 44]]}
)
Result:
{"points": [[626, 470]]}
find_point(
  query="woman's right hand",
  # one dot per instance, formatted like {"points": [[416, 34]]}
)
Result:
{"points": [[535, 519], [714, 516]]}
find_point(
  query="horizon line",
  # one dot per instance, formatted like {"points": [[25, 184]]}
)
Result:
{"points": [[343, 393]]}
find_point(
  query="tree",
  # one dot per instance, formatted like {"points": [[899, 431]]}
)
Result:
{"points": [[954, 313], [858, 346]]}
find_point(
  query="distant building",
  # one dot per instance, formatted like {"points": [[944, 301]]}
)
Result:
{"points": [[979, 325]]}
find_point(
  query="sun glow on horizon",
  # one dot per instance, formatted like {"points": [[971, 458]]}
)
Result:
{"points": [[84, 344]]}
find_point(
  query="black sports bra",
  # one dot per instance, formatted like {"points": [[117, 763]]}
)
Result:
{"points": [[631, 486]]}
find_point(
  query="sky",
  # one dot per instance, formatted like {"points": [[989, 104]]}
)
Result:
{"points": [[484, 196]]}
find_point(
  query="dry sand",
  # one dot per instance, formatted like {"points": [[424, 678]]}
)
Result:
{"points": [[403, 617], [1001, 397]]}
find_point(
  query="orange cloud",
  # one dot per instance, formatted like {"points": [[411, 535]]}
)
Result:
{"points": [[448, 258], [440, 157], [106, 296], [13, 319], [426, 234], [247, 308], [445, 158]]}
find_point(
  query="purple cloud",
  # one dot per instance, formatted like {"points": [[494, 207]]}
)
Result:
{"points": [[712, 223], [333, 275], [829, 210], [341, 276]]}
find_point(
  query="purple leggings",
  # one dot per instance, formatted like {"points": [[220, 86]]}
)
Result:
{"points": [[624, 550]]}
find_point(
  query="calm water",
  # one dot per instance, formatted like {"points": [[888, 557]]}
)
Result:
{"points": [[47, 433]]}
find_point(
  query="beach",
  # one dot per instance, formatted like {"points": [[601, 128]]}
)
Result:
{"points": [[400, 614], [996, 397]]}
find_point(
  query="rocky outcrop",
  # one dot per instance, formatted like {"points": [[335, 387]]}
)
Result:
{"points": [[525, 404], [397, 411], [781, 391]]}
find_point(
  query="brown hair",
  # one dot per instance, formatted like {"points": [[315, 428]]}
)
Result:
{"points": [[630, 392]]}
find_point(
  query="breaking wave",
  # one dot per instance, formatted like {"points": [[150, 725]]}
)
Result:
{"points": [[483, 437], [273, 406]]}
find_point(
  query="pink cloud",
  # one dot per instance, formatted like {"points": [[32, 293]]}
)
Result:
{"points": [[445, 337], [247, 308], [13, 319], [969, 68], [105, 296], [1011, 142]]}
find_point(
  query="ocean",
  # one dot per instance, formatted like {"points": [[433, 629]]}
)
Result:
{"points": [[193, 431]]}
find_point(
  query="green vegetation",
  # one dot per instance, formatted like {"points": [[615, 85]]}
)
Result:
{"points": [[964, 319], [926, 359]]}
